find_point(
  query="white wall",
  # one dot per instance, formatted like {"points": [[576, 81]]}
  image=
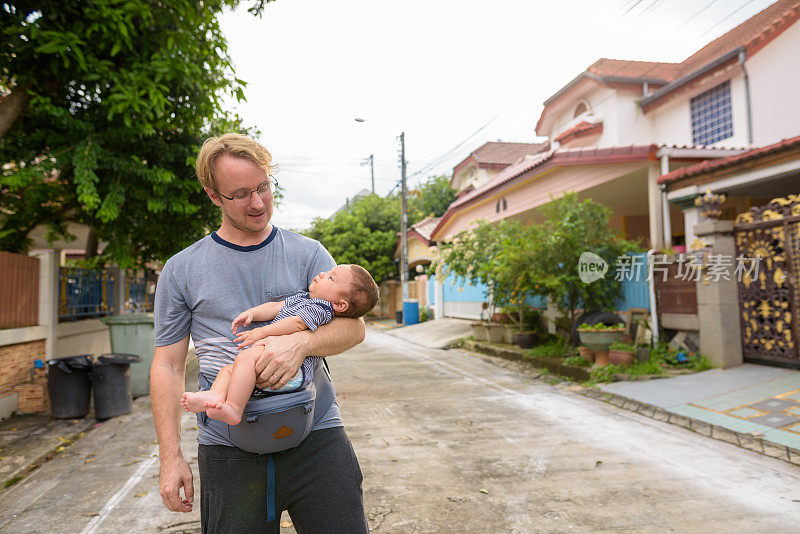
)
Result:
{"points": [[775, 88], [672, 122]]}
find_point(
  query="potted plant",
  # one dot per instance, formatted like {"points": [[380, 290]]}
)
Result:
{"points": [[599, 338], [620, 353], [586, 353]]}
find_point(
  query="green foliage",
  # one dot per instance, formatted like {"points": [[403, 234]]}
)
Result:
{"points": [[431, 199], [576, 360], [600, 327], [619, 345], [365, 234], [557, 348], [120, 94], [572, 227]]}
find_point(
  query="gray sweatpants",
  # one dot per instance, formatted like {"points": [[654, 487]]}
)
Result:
{"points": [[318, 482]]}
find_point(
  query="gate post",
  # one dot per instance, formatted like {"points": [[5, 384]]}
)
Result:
{"points": [[718, 299]]}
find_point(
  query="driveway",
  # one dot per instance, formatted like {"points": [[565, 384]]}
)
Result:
{"points": [[449, 441]]}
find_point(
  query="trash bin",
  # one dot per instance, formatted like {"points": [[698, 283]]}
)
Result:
{"points": [[134, 334], [69, 386], [411, 311], [111, 381], [398, 317]]}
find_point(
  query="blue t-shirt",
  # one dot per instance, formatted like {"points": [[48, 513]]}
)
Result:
{"points": [[205, 286]]}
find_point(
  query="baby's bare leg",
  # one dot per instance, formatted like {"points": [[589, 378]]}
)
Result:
{"points": [[239, 389], [199, 401]]}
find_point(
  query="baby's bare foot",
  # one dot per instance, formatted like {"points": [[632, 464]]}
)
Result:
{"points": [[196, 402], [223, 412]]}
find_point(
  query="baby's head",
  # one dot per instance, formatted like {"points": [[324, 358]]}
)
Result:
{"points": [[349, 288]]}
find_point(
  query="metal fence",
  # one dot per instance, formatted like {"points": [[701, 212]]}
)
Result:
{"points": [[139, 293], [85, 293]]}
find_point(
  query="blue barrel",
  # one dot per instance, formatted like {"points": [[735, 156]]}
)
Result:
{"points": [[410, 312]]}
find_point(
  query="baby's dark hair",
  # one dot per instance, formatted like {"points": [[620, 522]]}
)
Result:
{"points": [[363, 293]]}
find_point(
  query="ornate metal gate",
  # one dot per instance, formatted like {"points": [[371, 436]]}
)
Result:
{"points": [[768, 302]]}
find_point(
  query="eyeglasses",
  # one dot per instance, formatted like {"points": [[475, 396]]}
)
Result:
{"points": [[242, 196]]}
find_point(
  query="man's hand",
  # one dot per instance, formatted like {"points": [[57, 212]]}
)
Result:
{"points": [[280, 359], [243, 319], [245, 339], [175, 473]]}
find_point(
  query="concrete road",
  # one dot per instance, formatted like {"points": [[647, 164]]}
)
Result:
{"points": [[450, 442]]}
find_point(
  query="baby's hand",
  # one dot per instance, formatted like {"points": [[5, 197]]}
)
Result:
{"points": [[243, 319], [245, 339]]}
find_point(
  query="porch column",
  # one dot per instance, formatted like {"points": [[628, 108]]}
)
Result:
{"points": [[718, 300], [655, 207], [438, 298], [691, 218], [48, 296]]}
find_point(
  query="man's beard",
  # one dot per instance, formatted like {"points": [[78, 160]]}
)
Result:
{"points": [[245, 225]]}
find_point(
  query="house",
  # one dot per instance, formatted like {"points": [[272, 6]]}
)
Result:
{"points": [[620, 125], [645, 138], [764, 303], [487, 160]]}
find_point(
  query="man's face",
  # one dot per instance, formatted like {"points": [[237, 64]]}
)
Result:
{"points": [[235, 174]]}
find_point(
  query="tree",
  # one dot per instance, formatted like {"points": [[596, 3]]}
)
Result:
{"points": [[365, 234], [105, 104], [431, 199], [572, 227]]}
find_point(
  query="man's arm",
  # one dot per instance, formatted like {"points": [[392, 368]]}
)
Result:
{"points": [[283, 355], [167, 379]]}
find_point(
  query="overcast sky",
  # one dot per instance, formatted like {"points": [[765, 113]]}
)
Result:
{"points": [[451, 74]]}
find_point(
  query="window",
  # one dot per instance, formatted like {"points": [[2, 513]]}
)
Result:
{"points": [[580, 109], [712, 115]]}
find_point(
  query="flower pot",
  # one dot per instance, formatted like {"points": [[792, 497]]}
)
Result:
{"points": [[525, 340], [600, 339], [480, 332], [600, 358], [620, 357], [496, 333], [586, 353]]}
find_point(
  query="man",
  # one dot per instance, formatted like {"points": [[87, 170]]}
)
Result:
{"points": [[201, 289]]}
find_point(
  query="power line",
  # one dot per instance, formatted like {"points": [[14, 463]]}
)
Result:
{"points": [[632, 7], [729, 16], [449, 152], [712, 2]]}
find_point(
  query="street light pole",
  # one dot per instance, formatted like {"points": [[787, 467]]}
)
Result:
{"points": [[403, 220]]}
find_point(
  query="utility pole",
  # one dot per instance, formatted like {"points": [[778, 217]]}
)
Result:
{"points": [[403, 221], [371, 160]]}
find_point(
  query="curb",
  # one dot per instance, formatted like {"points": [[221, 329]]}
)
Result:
{"points": [[745, 441]]}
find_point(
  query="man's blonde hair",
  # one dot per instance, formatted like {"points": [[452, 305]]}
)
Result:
{"points": [[231, 144]]}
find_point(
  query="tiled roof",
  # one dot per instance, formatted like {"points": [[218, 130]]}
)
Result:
{"points": [[604, 67], [710, 165], [551, 158], [562, 156], [754, 32], [498, 152], [425, 227], [581, 129]]}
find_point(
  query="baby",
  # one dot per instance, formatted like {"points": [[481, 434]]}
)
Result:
{"points": [[344, 291]]}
